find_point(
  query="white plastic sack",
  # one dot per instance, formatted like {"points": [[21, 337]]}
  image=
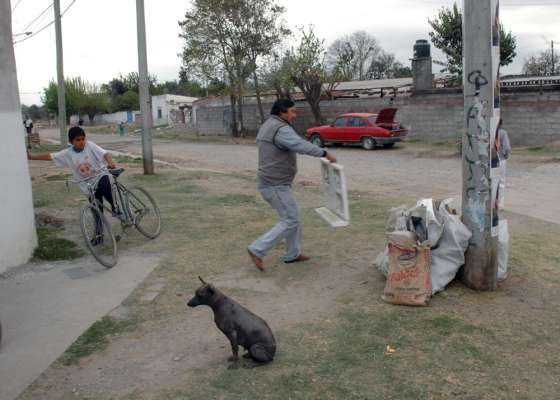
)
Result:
{"points": [[401, 238], [398, 219], [382, 261], [503, 249], [424, 209], [448, 257]]}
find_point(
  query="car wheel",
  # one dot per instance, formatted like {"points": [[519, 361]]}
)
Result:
{"points": [[368, 143], [317, 141]]}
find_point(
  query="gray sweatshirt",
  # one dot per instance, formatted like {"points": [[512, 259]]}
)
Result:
{"points": [[278, 144]]}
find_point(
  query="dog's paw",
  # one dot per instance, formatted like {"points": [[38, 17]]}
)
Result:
{"points": [[233, 358], [233, 365]]}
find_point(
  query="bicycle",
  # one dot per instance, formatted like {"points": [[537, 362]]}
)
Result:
{"points": [[134, 207]]}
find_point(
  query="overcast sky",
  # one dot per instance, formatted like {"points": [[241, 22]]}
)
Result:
{"points": [[99, 36]]}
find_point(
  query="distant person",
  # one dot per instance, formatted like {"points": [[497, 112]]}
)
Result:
{"points": [[85, 159], [278, 145], [28, 123], [503, 152]]}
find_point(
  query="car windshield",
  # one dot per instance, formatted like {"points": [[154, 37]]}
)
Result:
{"points": [[372, 118]]}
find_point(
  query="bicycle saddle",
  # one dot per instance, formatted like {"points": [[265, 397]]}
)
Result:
{"points": [[116, 172]]}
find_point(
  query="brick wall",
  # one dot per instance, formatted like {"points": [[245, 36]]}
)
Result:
{"points": [[530, 117]]}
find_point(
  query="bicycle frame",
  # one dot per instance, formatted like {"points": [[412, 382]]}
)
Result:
{"points": [[118, 193]]}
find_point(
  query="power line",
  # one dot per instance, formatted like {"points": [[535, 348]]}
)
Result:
{"points": [[37, 17], [46, 26], [17, 4]]}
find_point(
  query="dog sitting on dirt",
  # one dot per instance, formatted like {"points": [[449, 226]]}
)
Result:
{"points": [[241, 326]]}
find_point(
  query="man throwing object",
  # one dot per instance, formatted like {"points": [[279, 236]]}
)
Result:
{"points": [[278, 145]]}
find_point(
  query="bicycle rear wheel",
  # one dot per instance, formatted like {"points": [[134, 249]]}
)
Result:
{"points": [[98, 235], [144, 211]]}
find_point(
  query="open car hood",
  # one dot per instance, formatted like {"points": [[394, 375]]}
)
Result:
{"points": [[386, 116]]}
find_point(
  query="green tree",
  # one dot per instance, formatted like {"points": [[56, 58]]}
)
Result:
{"points": [[128, 101], [264, 30], [309, 73], [384, 66], [353, 54], [223, 40], [117, 87], [95, 103], [75, 96], [447, 36], [34, 111], [542, 65], [276, 74]]}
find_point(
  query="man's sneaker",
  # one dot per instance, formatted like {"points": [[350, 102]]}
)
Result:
{"points": [[299, 258], [256, 260]]}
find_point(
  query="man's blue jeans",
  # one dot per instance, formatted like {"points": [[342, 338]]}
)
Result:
{"points": [[282, 200]]}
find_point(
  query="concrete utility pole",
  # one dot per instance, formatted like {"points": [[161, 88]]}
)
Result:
{"points": [[481, 59], [144, 90], [60, 76], [17, 239]]}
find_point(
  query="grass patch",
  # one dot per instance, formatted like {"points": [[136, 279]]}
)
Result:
{"points": [[465, 345], [127, 160], [38, 203], [51, 248], [58, 177], [344, 358], [96, 338], [46, 148]]}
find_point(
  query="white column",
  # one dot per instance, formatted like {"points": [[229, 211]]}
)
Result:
{"points": [[17, 232]]}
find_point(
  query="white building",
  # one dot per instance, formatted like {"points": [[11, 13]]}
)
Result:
{"points": [[17, 236], [171, 109]]}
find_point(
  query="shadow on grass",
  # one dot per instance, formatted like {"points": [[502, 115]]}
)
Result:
{"points": [[52, 248]]}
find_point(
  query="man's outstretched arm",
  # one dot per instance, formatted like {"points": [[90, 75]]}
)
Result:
{"points": [[287, 138]]}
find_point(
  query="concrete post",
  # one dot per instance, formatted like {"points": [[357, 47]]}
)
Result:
{"points": [[144, 90], [60, 76], [422, 77], [481, 58], [17, 236]]}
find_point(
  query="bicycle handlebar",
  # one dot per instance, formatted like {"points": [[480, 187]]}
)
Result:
{"points": [[97, 174]]}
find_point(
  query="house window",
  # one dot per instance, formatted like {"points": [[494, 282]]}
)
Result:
{"points": [[159, 113]]}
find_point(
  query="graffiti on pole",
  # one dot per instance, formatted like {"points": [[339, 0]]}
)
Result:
{"points": [[477, 155]]}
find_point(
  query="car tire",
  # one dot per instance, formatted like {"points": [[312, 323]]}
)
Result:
{"points": [[317, 140], [368, 143]]}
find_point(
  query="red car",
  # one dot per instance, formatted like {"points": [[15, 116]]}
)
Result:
{"points": [[370, 130]]}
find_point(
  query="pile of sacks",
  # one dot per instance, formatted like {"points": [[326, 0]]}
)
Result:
{"points": [[426, 247]]}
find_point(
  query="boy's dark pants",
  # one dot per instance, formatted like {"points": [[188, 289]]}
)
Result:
{"points": [[103, 191]]}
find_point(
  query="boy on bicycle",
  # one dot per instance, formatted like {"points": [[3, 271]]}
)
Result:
{"points": [[84, 159]]}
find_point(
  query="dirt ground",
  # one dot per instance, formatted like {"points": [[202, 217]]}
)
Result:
{"points": [[331, 325]]}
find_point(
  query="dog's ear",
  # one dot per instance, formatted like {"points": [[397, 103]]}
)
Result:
{"points": [[202, 280]]}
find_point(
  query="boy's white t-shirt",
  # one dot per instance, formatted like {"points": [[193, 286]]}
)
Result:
{"points": [[83, 164]]}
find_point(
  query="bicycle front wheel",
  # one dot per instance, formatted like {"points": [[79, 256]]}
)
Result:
{"points": [[144, 211], [98, 235]]}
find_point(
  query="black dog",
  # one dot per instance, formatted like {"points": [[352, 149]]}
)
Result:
{"points": [[241, 326]]}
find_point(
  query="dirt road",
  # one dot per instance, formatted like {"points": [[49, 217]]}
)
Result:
{"points": [[532, 184]]}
